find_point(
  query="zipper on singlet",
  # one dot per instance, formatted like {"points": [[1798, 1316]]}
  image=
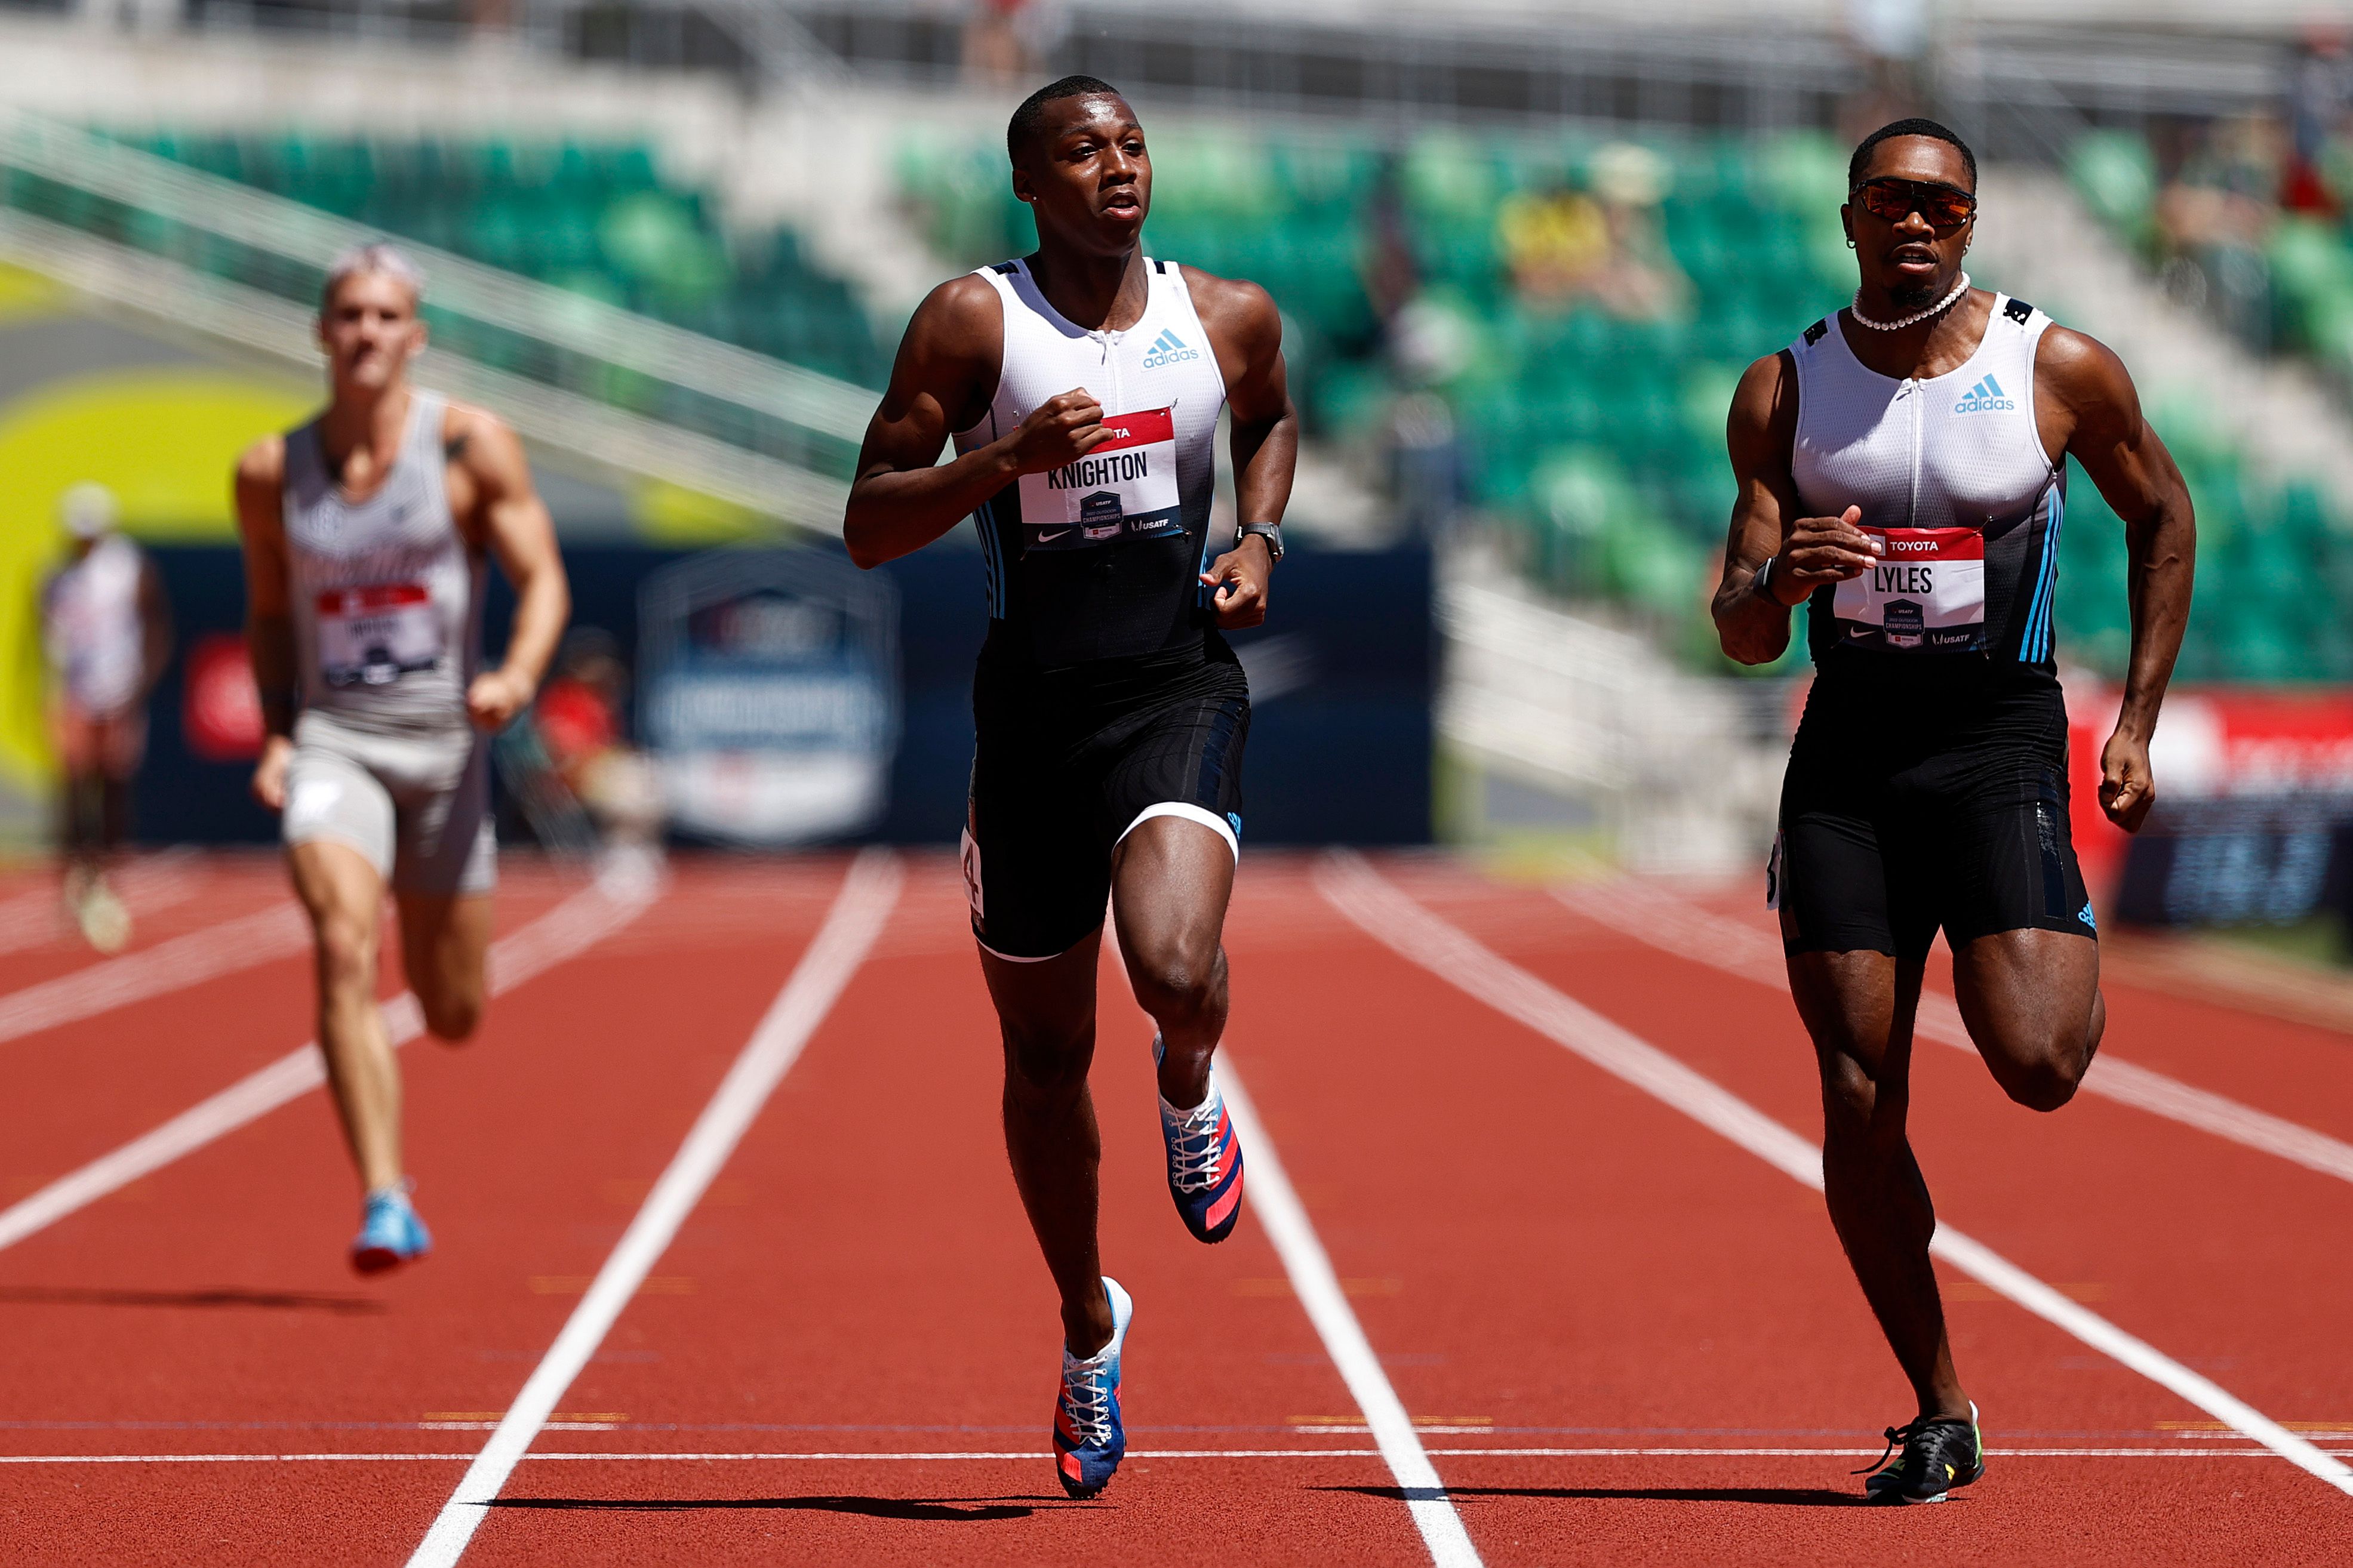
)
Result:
{"points": [[1919, 438]]}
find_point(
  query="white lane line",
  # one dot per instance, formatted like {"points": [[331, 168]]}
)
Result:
{"points": [[1671, 925], [857, 917], [1034, 1456], [1400, 923], [149, 884], [579, 923], [1276, 1204], [183, 961]]}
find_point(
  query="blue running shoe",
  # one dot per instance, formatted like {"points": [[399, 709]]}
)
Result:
{"points": [[1089, 1441], [390, 1233], [1205, 1163]]}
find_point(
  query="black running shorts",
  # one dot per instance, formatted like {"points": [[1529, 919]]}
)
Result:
{"points": [[1901, 816], [1069, 761]]}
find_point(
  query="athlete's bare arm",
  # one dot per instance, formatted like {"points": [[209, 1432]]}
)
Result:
{"points": [[498, 509], [1246, 333], [1811, 551], [2086, 403], [904, 497], [268, 625]]}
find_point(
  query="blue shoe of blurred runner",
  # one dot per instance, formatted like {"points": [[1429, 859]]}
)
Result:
{"points": [[390, 1233], [1205, 1163], [1089, 1440]]}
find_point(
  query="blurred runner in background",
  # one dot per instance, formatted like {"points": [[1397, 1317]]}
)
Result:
{"points": [[107, 629], [581, 722], [368, 533]]}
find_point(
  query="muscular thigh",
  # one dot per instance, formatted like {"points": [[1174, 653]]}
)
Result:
{"points": [[2019, 989], [1046, 1009], [1172, 878], [444, 943], [445, 847]]}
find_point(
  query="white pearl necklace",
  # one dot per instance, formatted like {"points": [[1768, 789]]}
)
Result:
{"points": [[1916, 317]]}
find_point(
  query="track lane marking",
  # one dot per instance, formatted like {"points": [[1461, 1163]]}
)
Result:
{"points": [[859, 910], [1675, 926], [1276, 1202], [244, 943], [1399, 922], [1032, 1456], [579, 923]]}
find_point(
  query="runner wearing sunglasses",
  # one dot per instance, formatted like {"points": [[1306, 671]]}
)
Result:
{"points": [[1902, 470]]}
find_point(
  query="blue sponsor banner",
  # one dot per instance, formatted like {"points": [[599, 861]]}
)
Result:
{"points": [[788, 661], [768, 694]]}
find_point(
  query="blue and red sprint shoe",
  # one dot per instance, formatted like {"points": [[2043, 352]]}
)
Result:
{"points": [[1089, 1441], [1205, 1163], [390, 1232]]}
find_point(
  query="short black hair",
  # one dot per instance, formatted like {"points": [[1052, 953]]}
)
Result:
{"points": [[1032, 114], [1915, 126]]}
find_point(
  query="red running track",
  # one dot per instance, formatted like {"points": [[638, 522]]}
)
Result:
{"points": [[1623, 1339]]}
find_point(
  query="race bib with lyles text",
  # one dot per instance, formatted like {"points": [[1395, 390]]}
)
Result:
{"points": [[1925, 592], [1124, 489], [373, 635]]}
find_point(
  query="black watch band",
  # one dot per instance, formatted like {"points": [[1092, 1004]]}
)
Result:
{"points": [[1270, 532]]}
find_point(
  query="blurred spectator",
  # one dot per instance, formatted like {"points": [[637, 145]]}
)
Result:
{"points": [[2214, 217], [108, 633], [1391, 277], [2315, 103], [1564, 245], [1006, 42], [579, 720], [1429, 470]]}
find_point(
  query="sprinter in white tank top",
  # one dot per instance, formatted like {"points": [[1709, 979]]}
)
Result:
{"points": [[1082, 386], [1901, 466], [108, 631], [366, 533]]}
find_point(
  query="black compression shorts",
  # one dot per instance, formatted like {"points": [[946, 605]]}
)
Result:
{"points": [[1899, 818], [1069, 761]]}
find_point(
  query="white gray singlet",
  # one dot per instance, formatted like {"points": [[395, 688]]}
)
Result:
{"points": [[1957, 492], [386, 597]]}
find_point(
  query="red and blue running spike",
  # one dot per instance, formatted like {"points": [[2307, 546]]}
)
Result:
{"points": [[1205, 1165], [1088, 1438]]}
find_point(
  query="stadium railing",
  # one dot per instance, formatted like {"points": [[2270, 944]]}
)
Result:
{"points": [[620, 390]]}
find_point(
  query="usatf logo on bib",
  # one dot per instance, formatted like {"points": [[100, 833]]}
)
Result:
{"points": [[1168, 349], [1124, 489], [1985, 397]]}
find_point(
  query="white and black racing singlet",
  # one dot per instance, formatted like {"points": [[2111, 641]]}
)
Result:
{"points": [[388, 593], [1102, 559], [1961, 501]]}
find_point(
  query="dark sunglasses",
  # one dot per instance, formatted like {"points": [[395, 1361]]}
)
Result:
{"points": [[1895, 200]]}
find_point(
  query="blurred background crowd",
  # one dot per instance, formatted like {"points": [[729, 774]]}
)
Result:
{"points": [[1523, 251]]}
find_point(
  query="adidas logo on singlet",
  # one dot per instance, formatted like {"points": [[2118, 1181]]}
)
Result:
{"points": [[1985, 397], [1168, 349]]}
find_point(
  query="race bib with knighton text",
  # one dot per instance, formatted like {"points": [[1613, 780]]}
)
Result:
{"points": [[1925, 592], [373, 635], [1124, 489]]}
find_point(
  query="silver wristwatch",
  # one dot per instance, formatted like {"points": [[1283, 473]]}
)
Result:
{"points": [[1270, 532]]}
